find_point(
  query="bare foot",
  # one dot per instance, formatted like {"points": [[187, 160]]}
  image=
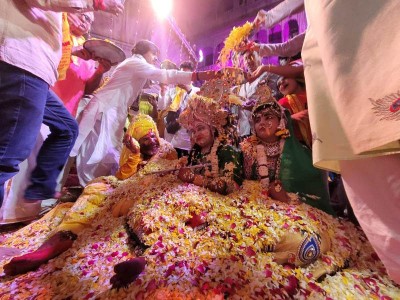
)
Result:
{"points": [[54, 246]]}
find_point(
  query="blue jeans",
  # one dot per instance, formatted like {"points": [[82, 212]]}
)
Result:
{"points": [[25, 103]]}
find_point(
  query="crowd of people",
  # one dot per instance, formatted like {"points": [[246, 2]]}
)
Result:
{"points": [[192, 181]]}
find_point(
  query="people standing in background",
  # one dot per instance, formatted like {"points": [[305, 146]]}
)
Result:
{"points": [[180, 136], [25, 98], [98, 145], [80, 74], [166, 93], [250, 90], [295, 100]]}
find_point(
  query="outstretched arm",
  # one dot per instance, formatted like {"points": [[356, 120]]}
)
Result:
{"points": [[286, 71], [286, 8]]}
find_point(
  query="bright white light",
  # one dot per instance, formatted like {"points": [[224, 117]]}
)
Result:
{"points": [[201, 55], [162, 7]]}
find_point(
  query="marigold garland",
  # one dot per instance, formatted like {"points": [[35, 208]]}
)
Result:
{"points": [[234, 39]]}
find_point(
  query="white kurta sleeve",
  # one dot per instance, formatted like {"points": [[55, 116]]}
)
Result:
{"points": [[145, 70], [287, 49], [63, 5], [282, 10]]}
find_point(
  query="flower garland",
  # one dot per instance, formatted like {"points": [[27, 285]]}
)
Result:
{"points": [[213, 158], [262, 163], [235, 38]]}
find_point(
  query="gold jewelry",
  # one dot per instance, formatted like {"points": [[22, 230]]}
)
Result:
{"points": [[272, 149]]}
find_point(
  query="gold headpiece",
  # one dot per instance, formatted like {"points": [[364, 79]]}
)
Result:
{"points": [[264, 100], [141, 125], [220, 89], [206, 110]]}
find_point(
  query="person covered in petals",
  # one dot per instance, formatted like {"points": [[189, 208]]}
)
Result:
{"points": [[273, 156], [219, 164], [141, 145]]}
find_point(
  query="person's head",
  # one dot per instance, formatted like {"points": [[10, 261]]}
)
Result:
{"points": [[204, 119], [149, 144], [163, 88], [266, 120], [252, 60], [144, 130], [187, 66], [148, 50], [202, 134], [289, 86], [80, 23], [168, 65]]}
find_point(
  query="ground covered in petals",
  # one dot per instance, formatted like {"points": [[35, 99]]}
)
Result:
{"points": [[225, 257]]}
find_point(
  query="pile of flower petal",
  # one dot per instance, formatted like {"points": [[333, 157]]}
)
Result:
{"points": [[224, 257]]}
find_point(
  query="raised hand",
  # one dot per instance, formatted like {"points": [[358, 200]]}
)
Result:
{"points": [[131, 144], [81, 52], [111, 6], [260, 18]]}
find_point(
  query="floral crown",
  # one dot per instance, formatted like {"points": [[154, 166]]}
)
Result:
{"points": [[206, 110]]}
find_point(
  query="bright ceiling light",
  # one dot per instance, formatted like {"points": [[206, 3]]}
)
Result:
{"points": [[162, 7]]}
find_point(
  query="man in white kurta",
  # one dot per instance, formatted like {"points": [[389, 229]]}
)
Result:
{"points": [[99, 143]]}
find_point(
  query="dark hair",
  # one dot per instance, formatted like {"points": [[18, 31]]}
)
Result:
{"points": [[187, 65], [272, 105], [144, 46], [300, 81], [168, 65]]}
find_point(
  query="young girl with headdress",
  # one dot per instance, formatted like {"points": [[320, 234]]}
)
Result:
{"points": [[220, 162], [273, 156]]}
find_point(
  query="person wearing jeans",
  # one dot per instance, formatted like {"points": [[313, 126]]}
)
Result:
{"points": [[26, 103], [30, 51]]}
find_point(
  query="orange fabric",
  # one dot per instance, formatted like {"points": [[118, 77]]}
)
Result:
{"points": [[296, 103], [66, 49], [129, 166]]}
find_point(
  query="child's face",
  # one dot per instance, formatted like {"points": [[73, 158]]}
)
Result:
{"points": [[201, 134], [288, 86], [252, 61], [265, 125]]}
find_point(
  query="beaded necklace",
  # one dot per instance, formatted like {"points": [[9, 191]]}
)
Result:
{"points": [[265, 151]]}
